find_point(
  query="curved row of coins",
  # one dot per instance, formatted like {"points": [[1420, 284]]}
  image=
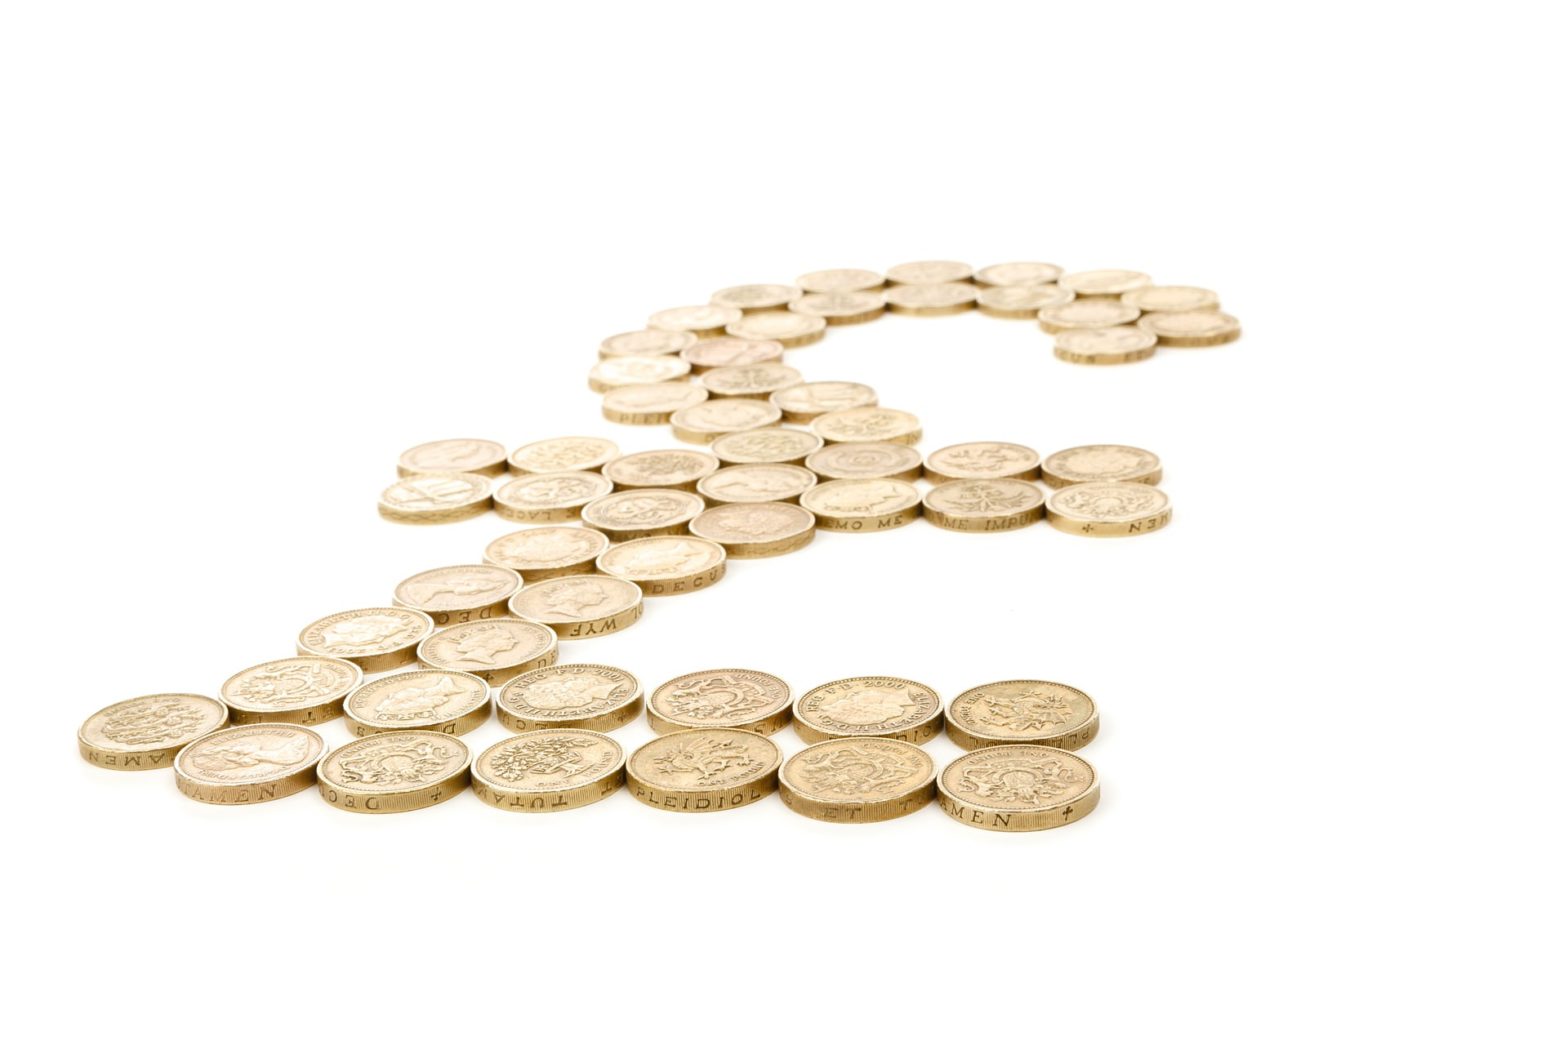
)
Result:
{"points": [[863, 761]]}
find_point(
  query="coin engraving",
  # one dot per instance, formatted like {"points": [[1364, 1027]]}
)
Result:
{"points": [[865, 461], [1108, 509], [646, 343], [674, 469], [477, 456], [811, 399], [868, 424], [572, 453], [1101, 463], [549, 551], [734, 698]]}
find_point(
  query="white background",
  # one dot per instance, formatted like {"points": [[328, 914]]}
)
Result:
{"points": [[253, 251]]}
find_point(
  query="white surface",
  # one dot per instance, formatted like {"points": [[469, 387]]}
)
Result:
{"points": [[252, 254]]}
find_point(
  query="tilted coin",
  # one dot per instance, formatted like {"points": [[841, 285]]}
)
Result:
{"points": [[982, 461], [840, 281], [869, 706], [475, 456], [1104, 345], [567, 453], [1018, 274], [495, 650], [1108, 509], [984, 505], [751, 483], [756, 297], [1101, 463], [1171, 299], [636, 370], [580, 607], [455, 594], [630, 514], [868, 424], [756, 530], [931, 299], [549, 771], [1018, 787], [146, 732], [649, 404], [439, 497], [811, 399], [549, 496], [670, 469], [1021, 302], [731, 698], [301, 690], [1191, 329], [436, 700], [243, 765], [765, 446], [844, 307], [866, 461], [1104, 282], [569, 696], [702, 320], [858, 780], [862, 505], [704, 770], [394, 772], [548, 551], [379, 638], [646, 343], [790, 329], [925, 272], [705, 422], [1022, 711], [666, 565], [756, 381], [1085, 313], [730, 351]]}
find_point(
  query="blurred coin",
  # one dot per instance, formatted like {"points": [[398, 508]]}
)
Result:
{"points": [[755, 381], [1104, 345], [705, 422], [868, 424], [1018, 274], [646, 343], [810, 400], [862, 505], [866, 461], [436, 498], [931, 299], [843, 308], [631, 514], [702, 320], [840, 281], [549, 496], [476, 456], [636, 370], [730, 351], [1104, 282], [1020, 302], [1084, 313], [1108, 509], [765, 446], [751, 483], [649, 404], [790, 329], [674, 469], [666, 565], [567, 453], [549, 551], [913, 273], [1191, 329], [1101, 463], [756, 297]]}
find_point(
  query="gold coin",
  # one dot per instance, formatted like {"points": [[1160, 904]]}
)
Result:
{"points": [[567, 453], [702, 320], [475, 456], [1018, 787], [862, 505], [377, 639], [756, 297], [630, 514], [752, 483], [914, 273], [810, 400], [549, 551], [581, 607], [756, 530], [982, 461], [765, 446], [869, 706], [666, 565], [1171, 299], [495, 650], [790, 329], [730, 351], [301, 690], [866, 461], [146, 732], [1191, 329], [705, 422], [704, 770], [1104, 282], [1022, 711], [843, 308], [984, 505], [669, 469], [649, 404], [1018, 274], [457, 594], [1104, 345], [728, 698], [868, 424], [931, 299], [394, 772], [436, 498], [757, 381], [1021, 302], [636, 370], [435, 700], [858, 780], [549, 770], [646, 343], [569, 696], [840, 281], [243, 765], [549, 496], [1108, 509], [1101, 463], [1086, 313]]}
